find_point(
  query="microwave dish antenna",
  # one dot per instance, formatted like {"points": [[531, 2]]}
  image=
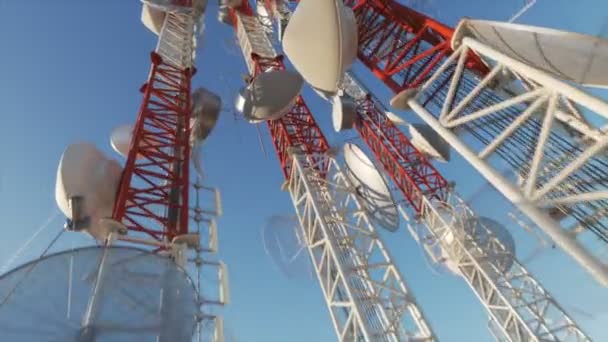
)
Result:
{"points": [[269, 96], [322, 62], [371, 188]]}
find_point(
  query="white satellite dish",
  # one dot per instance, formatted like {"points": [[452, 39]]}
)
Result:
{"points": [[571, 56], [343, 112], [371, 188], [71, 277], [120, 139], [427, 141], [321, 42], [325, 95], [206, 108], [271, 95], [481, 229], [284, 243], [85, 173], [152, 18]]}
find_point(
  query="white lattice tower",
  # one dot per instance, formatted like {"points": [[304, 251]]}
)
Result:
{"points": [[365, 293], [559, 165]]}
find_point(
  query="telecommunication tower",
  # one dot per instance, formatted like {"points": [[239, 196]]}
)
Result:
{"points": [[488, 90], [148, 216]]}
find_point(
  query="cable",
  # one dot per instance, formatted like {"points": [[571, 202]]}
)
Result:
{"points": [[14, 257], [31, 267]]}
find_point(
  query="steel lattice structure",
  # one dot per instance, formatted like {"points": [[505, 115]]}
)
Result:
{"points": [[153, 193], [153, 201], [404, 48], [366, 296], [519, 307]]}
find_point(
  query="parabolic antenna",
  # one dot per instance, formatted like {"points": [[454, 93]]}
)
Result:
{"points": [[206, 108], [271, 95], [84, 172], [343, 112], [429, 142], [325, 95], [371, 187], [482, 229], [285, 244], [321, 42], [120, 139], [141, 296], [152, 18], [571, 56]]}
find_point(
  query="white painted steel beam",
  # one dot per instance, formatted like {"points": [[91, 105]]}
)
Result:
{"points": [[550, 177], [365, 292], [519, 307]]}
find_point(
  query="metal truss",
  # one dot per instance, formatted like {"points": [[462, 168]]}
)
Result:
{"points": [[154, 185], [410, 171], [366, 294], [519, 307], [295, 130], [175, 41], [364, 291], [560, 181], [153, 193], [403, 48]]}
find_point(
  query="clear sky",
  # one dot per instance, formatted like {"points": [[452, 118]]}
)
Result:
{"points": [[70, 71]]}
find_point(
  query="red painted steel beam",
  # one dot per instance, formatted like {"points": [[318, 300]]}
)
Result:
{"points": [[410, 171], [153, 194], [297, 131], [400, 46]]}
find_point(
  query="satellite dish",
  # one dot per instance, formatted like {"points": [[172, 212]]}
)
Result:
{"points": [[85, 173], [284, 243], [481, 229], [427, 141], [321, 42], [325, 95], [59, 286], [120, 139], [371, 187], [343, 113], [152, 18], [566, 55], [206, 108], [271, 95]]}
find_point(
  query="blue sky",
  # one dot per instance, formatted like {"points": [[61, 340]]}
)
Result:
{"points": [[70, 71]]}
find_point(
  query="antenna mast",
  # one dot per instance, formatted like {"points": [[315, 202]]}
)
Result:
{"points": [[363, 303]]}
